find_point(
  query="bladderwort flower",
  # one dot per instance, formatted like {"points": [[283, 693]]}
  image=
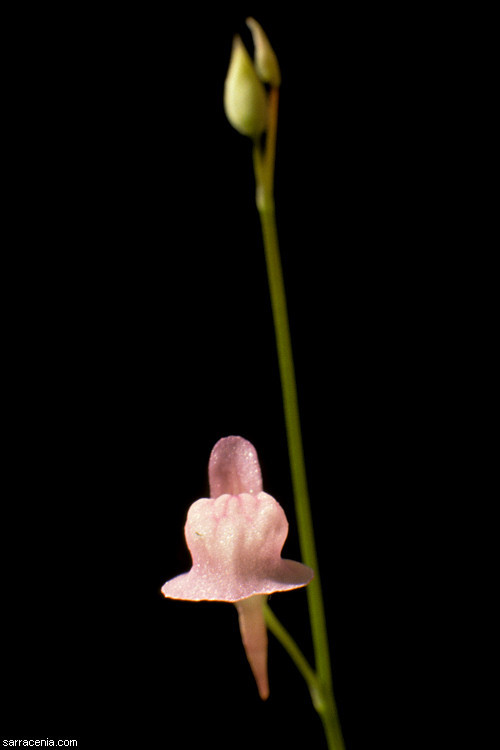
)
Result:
{"points": [[235, 538]]}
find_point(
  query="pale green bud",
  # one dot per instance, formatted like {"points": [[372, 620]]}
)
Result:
{"points": [[245, 98], [266, 62]]}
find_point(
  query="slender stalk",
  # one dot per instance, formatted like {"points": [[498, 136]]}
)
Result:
{"points": [[264, 175], [290, 646]]}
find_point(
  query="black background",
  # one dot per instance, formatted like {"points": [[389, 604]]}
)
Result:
{"points": [[138, 331]]}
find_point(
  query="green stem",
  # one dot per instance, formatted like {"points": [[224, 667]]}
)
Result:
{"points": [[324, 703], [295, 653], [264, 175]]}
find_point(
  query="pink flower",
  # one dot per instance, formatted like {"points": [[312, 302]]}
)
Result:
{"points": [[235, 538]]}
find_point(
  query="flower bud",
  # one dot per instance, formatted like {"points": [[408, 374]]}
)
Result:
{"points": [[245, 98], [266, 62]]}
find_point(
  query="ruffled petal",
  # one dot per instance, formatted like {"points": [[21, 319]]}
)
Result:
{"points": [[235, 543]]}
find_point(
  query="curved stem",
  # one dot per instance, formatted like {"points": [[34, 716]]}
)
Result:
{"points": [[264, 175], [323, 702], [300, 661]]}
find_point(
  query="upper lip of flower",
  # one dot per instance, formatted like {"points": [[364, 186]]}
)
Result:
{"points": [[234, 467]]}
